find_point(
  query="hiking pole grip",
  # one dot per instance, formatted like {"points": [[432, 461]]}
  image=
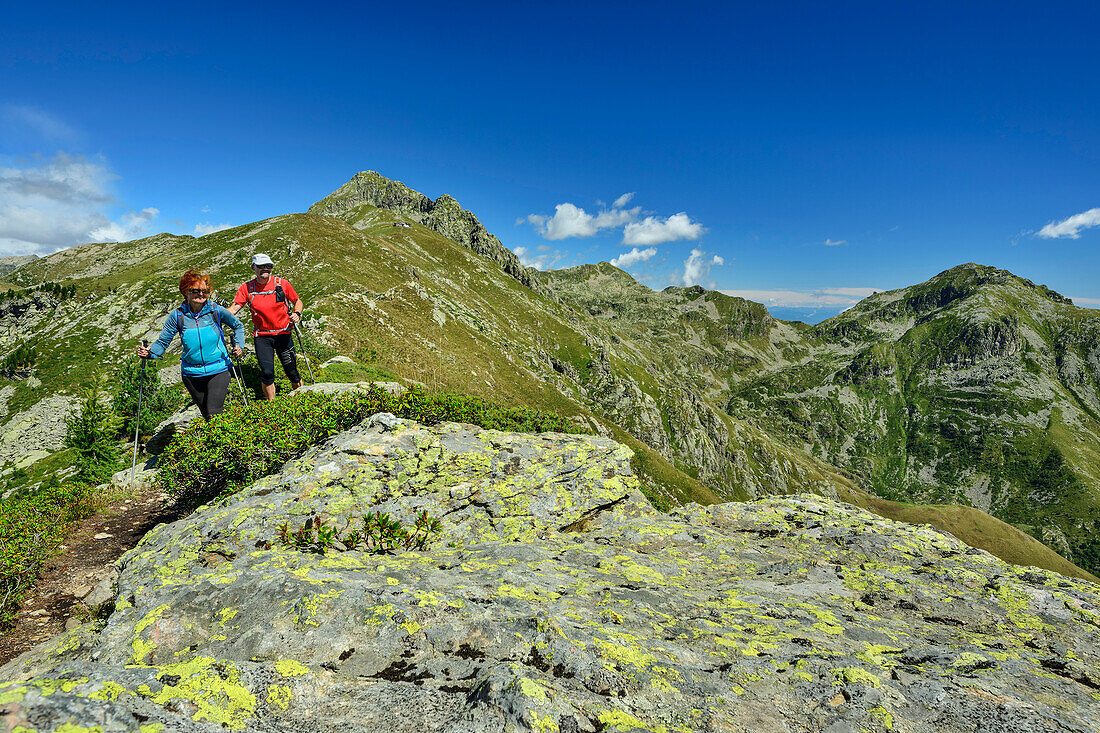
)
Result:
{"points": [[137, 417]]}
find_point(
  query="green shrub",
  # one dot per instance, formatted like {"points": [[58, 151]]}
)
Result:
{"points": [[233, 449], [31, 528], [158, 400], [92, 434], [379, 534]]}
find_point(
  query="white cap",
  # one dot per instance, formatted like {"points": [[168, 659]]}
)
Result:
{"points": [[261, 259]]}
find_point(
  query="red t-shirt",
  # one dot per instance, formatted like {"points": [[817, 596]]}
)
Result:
{"points": [[269, 317]]}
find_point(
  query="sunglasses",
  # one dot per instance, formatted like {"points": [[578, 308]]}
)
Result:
{"points": [[197, 291], [264, 268]]}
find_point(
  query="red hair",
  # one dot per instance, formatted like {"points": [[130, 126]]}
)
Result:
{"points": [[194, 278]]}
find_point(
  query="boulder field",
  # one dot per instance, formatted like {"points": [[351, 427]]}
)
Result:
{"points": [[555, 598]]}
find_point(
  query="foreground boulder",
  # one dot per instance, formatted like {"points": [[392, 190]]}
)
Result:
{"points": [[556, 598]]}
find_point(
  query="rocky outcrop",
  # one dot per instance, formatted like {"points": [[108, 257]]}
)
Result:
{"points": [[36, 430], [557, 599], [443, 215]]}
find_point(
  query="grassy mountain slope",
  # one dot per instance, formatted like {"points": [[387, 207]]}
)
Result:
{"points": [[719, 399], [406, 299], [977, 387]]}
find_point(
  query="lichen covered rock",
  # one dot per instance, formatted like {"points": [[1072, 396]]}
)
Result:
{"points": [[557, 599]]}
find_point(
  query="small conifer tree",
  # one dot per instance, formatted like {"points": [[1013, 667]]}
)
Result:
{"points": [[92, 435]]}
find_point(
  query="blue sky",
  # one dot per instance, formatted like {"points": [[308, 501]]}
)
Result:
{"points": [[802, 154]]}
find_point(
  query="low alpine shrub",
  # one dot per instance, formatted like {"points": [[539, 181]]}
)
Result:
{"points": [[378, 534], [242, 444], [31, 528]]}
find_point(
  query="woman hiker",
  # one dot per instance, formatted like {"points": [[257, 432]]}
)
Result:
{"points": [[205, 362], [276, 310]]}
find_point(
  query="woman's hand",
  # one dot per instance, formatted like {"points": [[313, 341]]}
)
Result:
{"points": [[237, 351], [144, 352]]}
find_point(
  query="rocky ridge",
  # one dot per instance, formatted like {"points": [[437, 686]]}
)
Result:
{"points": [[977, 387], [443, 215], [557, 599], [432, 310]]}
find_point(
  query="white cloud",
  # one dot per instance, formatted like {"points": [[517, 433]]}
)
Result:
{"points": [[53, 204], [697, 267], [1086, 301], [130, 226], [633, 257], [652, 230], [830, 243], [854, 292], [39, 121], [207, 228], [844, 297], [536, 220], [1072, 226], [623, 200], [205, 209], [616, 217], [544, 261], [570, 220]]}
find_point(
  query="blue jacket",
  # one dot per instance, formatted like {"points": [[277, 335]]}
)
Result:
{"points": [[204, 350]]}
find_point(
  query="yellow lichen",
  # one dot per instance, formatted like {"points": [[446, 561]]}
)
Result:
{"points": [[141, 647], [278, 696], [213, 687], [110, 692], [529, 688], [854, 675], [13, 694], [291, 668]]}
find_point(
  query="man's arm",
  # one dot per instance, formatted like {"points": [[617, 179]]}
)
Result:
{"points": [[296, 314], [234, 308]]}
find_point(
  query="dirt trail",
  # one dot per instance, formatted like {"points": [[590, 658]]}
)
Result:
{"points": [[87, 557]]}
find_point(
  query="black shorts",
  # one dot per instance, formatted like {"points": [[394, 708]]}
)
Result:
{"points": [[267, 347], [208, 392]]}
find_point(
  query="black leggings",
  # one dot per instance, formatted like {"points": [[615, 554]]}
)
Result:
{"points": [[208, 392], [267, 347]]}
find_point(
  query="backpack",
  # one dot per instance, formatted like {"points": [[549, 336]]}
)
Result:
{"points": [[215, 310], [280, 294]]}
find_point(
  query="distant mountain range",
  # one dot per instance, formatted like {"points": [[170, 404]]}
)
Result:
{"points": [[8, 264], [976, 388]]}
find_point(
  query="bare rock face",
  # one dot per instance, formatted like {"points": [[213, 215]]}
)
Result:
{"points": [[557, 599], [39, 428]]}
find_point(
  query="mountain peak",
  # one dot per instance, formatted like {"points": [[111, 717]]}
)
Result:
{"points": [[970, 276], [443, 215]]}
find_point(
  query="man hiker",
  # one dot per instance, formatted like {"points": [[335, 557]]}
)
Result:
{"points": [[267, 297]]}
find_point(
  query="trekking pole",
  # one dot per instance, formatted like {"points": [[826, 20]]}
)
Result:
{"points": [[235, 368], [289, 311], [312, 379], [137, 418]]}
